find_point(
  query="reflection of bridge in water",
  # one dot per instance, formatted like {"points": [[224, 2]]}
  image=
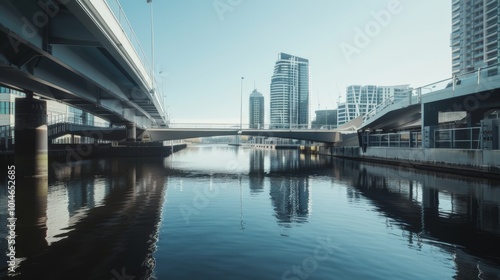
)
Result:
{"points": [[124, 197]]}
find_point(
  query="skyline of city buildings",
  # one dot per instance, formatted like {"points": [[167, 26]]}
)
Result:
{"points": [[256, 110], [474, 35], [289, 92]]}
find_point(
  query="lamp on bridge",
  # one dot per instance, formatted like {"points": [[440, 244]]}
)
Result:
{"points": [[241, 103], [150, 2]]}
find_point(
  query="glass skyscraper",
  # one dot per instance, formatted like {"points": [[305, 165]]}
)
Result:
{"points": [[290, 92]]}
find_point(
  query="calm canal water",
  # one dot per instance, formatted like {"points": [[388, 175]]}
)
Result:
{"points": [[221, 212]]}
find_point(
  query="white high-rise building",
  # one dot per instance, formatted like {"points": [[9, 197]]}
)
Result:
{"points": [[289, 98], [393, 93], [474, 34], [362, 99]]}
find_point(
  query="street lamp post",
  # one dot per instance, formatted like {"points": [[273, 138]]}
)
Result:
{"points": [[326, 117], [241, 103], [241, 111], [152, 43]]}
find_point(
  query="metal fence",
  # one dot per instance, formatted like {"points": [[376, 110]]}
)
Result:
{"points": [[409, 139], [449, 138], [458, 138]]}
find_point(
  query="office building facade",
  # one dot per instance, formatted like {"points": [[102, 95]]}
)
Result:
{"points": [[289, 98], [325, 119], [474, 35], [56, 112], [256, 110]]}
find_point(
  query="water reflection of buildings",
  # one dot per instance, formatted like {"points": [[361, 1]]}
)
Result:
{"points": [[431, 206], [291, 199], [256, 170], [110, 206], [290, 194], [288, 172]]}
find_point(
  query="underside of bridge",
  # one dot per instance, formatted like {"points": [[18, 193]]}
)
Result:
{"points": [[74, 52], [60, 52]]}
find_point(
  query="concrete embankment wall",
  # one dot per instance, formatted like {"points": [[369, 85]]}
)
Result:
{"points": [[73, 152], [467, 162]]}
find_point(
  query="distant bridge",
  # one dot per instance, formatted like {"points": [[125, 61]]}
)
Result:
{"points": [[325, 136], [164, 134]]}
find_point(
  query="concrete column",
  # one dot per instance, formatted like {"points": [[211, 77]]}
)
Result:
{"points": [[430, 115], [31, 149], [131, 132], [430, 120]]}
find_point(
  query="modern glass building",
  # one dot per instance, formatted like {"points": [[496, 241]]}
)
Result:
{"points": [[56, 112], [7, 105], [256, 110], [289, 100], [474, 34]]}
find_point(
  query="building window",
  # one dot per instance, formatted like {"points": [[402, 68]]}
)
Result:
{"points": [[6, 108]]}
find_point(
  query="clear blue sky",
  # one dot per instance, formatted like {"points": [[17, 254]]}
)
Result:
{"points": [[204, 47]]}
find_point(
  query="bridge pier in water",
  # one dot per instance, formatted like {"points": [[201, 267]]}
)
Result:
{"points": [[31, 146]]}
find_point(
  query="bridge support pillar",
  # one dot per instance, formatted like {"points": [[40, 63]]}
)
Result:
{"points": [[430, 120], [31, 141], [131, 132]]}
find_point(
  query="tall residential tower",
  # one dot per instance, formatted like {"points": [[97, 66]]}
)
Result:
{"points": [[474, 34], [290, 92]]}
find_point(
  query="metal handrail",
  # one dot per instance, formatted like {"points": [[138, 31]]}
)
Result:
{"points": [[136, 45], [132, 35]]}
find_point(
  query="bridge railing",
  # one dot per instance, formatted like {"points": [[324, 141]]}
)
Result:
{"points": [[409, 139], [458, 138], [236, 126], [116, 8], [414, 95]]}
